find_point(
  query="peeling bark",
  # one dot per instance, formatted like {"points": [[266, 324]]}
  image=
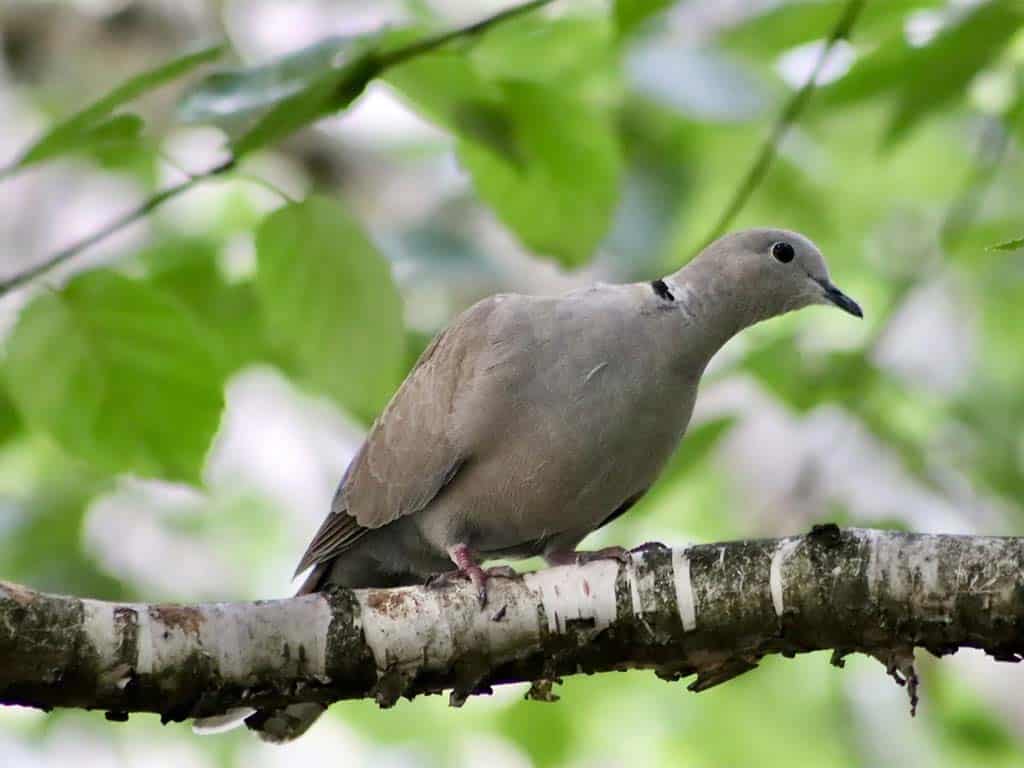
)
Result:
{"points": [[713, 610]]}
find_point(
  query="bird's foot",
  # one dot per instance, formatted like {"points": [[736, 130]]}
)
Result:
{"points": [[469, 568], [573, 557]]}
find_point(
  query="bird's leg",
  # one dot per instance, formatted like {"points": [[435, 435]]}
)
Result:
{"points": [[466, 562], [573, 557]]}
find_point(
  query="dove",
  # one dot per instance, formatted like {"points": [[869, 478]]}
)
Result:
{"points": [[531, 421]]}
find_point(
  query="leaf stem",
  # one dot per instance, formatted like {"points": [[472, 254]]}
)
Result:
{"points": [[789, 115]]}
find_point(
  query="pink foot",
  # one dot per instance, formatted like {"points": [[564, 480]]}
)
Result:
{"points": [[468, 567]]}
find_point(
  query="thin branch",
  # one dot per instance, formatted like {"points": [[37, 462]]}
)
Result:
{"points": [[789, 115], [472, 30], [388, 60], [713, 611], [116, 225]]}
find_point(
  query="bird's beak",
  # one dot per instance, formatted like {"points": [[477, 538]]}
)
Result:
{"points": [[834, 296]]}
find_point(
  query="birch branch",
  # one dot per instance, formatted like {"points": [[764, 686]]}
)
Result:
{"points": [[712, 611]]}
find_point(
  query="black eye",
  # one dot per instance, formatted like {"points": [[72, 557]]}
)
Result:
{"points": [[783, 251]]}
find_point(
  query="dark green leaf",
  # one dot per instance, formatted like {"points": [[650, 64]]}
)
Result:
{"points": [[10, 421], [119, 374], [1009, 245], [232, 99], [629, 14], [329, 91], [330, 305], [91, 127]]}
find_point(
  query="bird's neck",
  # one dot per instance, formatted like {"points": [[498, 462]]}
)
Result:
{"points": [[710, 310]]}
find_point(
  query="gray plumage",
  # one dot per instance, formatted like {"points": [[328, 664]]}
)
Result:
{"points": [[530, 421]]}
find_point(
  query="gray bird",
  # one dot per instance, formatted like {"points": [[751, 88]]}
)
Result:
{"points": [[531, 421]]}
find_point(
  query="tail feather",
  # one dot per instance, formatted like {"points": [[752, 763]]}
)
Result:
{"points": [[280, 726], [207, 726]]}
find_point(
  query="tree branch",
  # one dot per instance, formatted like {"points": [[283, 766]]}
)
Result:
{"points": [[790, 113], [713, 610]]}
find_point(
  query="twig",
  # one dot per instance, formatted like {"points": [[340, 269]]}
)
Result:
{"points": [[432, 43], [117, 224], [794, 107], [388, 60]]}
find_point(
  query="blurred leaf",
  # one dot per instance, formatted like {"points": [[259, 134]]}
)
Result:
{"points": [[119, 374], [629, 14], [10, 421], [187, 269], [327, 92], [41, 543], [1009, 245], [696, 446], [778, 28], [447, 89], [547, 163], [576, 54], [232, 99], [924, 79], [561, 203], [330, 305], [93, 127]]}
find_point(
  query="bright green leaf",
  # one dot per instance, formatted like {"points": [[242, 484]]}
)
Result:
{"points": [[561, 200], [91, 127], [330, 305], [1009, 245], [119, 374], [629, 14], [188, 270]]}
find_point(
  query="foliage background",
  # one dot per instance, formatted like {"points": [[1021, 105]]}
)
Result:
{"points": [[177, 404]]}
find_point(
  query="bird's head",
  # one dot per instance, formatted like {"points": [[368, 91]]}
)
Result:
{"points": [[768, 272]]}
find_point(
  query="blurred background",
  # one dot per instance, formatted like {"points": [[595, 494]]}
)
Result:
{"points": [[177, 404]]}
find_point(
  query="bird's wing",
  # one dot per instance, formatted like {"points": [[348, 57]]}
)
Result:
{"points": [[412, 451]]}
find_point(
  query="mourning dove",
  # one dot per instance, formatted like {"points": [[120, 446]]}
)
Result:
{"points": [[531, 421]]}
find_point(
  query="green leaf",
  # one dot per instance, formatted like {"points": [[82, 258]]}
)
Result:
{"points": [[561, 199], [232, 99], [330, 305], [188, 270], [767, 34], [1009, 245], [92, 126], [629, 14], [10, 421], [449, 90], [328, 91], [924, 79], [118, 374], [546, 161]]}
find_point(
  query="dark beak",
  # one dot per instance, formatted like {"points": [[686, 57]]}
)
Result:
{"points": [[840, 299]]}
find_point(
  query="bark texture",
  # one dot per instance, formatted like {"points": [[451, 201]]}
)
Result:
{"points": [[712, 610]]}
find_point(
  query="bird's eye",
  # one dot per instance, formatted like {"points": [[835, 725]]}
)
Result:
{"points": [[783, 251]]}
